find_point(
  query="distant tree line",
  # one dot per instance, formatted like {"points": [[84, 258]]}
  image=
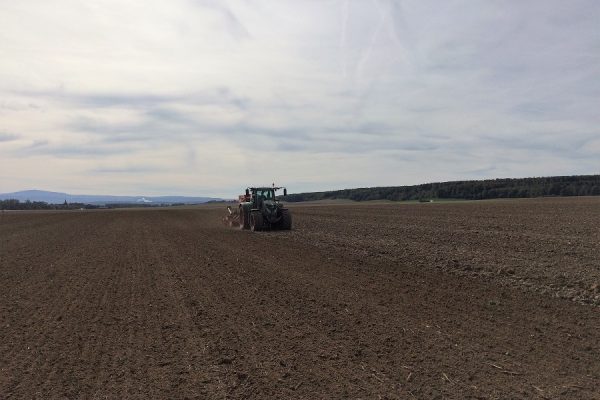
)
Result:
{"points": [[12, 204], [580, 185]]}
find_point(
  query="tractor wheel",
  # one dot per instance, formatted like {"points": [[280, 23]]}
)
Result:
{"points": [[286, 220], [243, 219], [256, 221]]}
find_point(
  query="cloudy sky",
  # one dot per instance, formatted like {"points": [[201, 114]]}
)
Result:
{"points": [[201, 97]]}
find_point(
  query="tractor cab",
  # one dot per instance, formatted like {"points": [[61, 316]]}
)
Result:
{"points": [[258, 195], [262, 194]]}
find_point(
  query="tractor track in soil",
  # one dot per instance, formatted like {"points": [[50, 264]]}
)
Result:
{"points": [[466, 300]]}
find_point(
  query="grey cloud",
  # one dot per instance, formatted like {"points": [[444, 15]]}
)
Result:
{"points": [[87, 150], [164, 125], [158, 126], [349, 147], [232, 23], [216, 96], [137, 169], [562, 145], [537, 109], [33, 146], [168, 116], [18, 106], [74, 150], [134, 100], [8, 137]]}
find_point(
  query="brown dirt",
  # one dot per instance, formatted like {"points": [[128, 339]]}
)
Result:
{"points": [[464, 300]]}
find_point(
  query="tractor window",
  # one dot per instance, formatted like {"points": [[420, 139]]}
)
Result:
{"points": [[265, 194]]}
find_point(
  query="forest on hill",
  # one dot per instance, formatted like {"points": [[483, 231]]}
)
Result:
{"points": [[578, 185]]}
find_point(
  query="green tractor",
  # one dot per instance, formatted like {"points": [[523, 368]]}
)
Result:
{"points": [[259, 209]]}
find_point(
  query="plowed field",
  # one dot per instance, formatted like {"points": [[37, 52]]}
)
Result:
{"points": [[495, 299]]}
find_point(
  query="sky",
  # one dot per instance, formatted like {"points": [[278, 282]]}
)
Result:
{"points": [[201, 97]]}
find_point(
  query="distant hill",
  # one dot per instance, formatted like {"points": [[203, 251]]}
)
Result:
{"points": [[59, 198], [578, 185]]}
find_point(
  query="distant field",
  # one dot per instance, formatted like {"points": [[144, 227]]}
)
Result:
{"points": [[478, 299]]}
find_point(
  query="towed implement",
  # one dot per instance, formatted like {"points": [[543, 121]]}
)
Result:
{"points": [[259, 209]]}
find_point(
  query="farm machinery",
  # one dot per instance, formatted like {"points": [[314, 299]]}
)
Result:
{"points": [[259, 209]]}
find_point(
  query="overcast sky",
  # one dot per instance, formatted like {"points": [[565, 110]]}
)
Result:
{"points": [[207, 97]]}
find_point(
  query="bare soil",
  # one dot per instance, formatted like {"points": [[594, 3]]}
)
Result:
{"points": [[494, 299]]}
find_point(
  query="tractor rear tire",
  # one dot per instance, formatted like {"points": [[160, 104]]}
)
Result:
{"points": [[256, 221], [286, 220]]}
